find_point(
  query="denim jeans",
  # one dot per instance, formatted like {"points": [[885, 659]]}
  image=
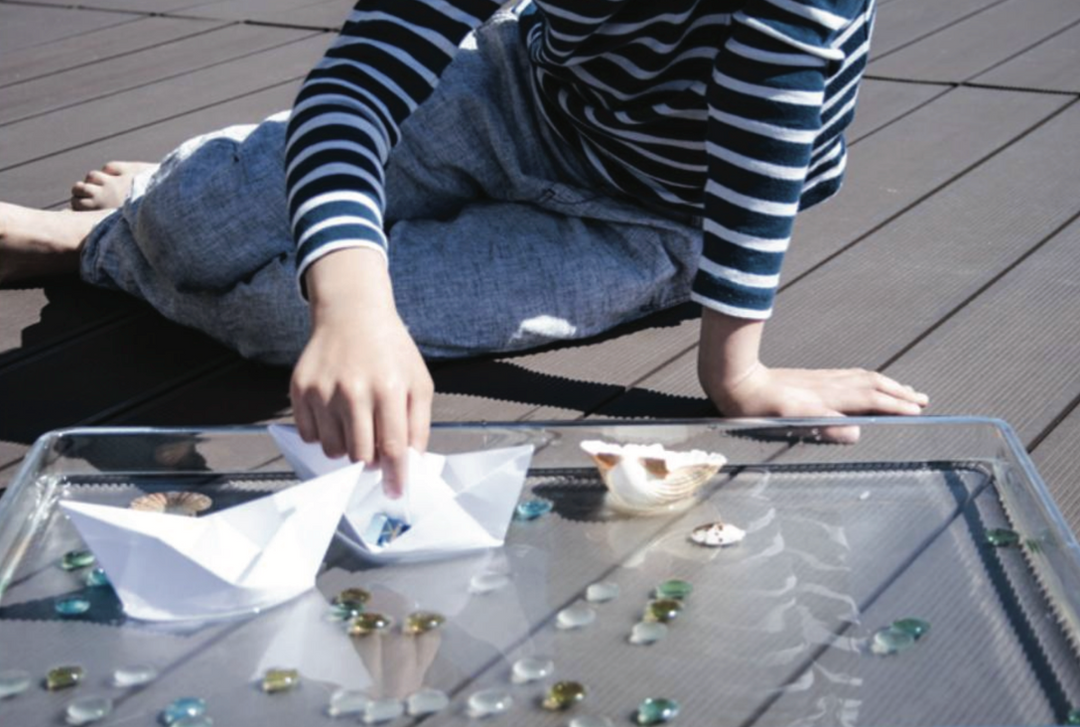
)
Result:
{"points": [[500, 239]]}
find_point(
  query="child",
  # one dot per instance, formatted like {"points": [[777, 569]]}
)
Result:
{"points": [[576, 167]]}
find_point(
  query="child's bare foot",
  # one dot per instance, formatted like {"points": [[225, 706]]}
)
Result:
{"points": [[38, 243], [106, 188]]}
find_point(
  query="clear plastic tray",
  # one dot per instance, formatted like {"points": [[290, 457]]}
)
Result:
{"points": [[842, 541]]}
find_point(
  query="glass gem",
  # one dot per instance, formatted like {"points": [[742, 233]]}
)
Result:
{"points": [[647, 632], [183, 708], [72, 606], [563, 695], [382, 710], [346, 611], [489, 702], [369, 623], [678, 589], [426, 701], [96, 578], [421, 622], [888, 641], [531, 669], [75, 559], [1073, 717], [280, 680], [13, 681], [488, 582], [533, 508], [917, 627], [347, 702], [656, 711], [88, 709], [63, 677], [589, 720], [134, 676], [352, 595], [1002, 537], [663, 610], [716, 535], [601, 592], [575, 617]]}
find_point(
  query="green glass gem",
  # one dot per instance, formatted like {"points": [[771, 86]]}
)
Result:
{"points": [[1073, 717], [656, 711], [352, 595], [347, 610], [76, 559], [917, 627], [280, 680], [421, 622], [73, 606], [96, 578], [1002, 537], [63, 677], [663, 610], [890, 640], [563, 695], [674, 588], [369, 623]]}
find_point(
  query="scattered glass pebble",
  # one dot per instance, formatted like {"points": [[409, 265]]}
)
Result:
{"points": [[601, 592], [1002, 538], [76, 559], [575, 617], [384, 529], [96, 578], [72, 606], [352, 595], [647, 632], [589, 720], [1073, 717], [716, 535], [488, 582], [183, 708], [369, 623], [656, 711], [421, 622], [184, 504], [489, 702], [889, 641], [426, 701], [13, 681], [347, 702], [63, 677], [533, 509], [280, 680], [674, 588], [563, 695], [134, 676], [382, 710], [346, 611], [663, 610], [531, 669], [917, 627], [88, 709]]}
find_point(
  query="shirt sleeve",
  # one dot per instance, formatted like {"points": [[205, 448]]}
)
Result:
{"points": [[764, 101], [348, 114]]}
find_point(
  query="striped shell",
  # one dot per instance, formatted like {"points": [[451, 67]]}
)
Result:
{"points": [[647, 479], [188, 504]]}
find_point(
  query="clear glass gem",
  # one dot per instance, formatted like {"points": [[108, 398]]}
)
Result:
{"points": [[647, 632], [369, 623], [347, 702], [575, 616], [421, 622], [563, 695], [488, 582], [656, 711], [382, 710], [917, 627], [531, 669], [72, 606], [13, 681], [601, 592], [663, 610], [533, 508], [489, 702], [134, 676], [183, 708], [1003, 538], [88, 709], [75, 559], [63, 677], [674, 588], [716, 535], [426, 701], [889, 640], [96, 578], [589, 720], [280, 680]]}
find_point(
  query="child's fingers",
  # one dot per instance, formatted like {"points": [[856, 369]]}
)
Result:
{"points": [[900, 391]]}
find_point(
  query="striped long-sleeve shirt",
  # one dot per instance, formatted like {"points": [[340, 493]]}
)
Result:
{"points": [[730, 109]]}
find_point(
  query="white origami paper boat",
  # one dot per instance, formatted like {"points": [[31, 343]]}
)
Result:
{"points": [[243, 559], [454, 504]]}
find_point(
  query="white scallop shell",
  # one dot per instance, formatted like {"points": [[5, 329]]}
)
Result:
{"points": [[643, 479]]}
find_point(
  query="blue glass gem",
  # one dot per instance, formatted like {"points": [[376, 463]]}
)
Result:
{"points": [[97, 578], [657, 711], [72, 606], [383, 529], [533, 508], [183, 708]]}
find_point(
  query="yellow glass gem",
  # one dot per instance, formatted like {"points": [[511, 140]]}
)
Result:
{"points": [[369, 623], [280, 680], [352, 595], [563, 695], [423, 621], [663, 610], [63, 677]]}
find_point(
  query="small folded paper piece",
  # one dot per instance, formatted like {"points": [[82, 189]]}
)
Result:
{"points": [[457, 503], [243, 559]]}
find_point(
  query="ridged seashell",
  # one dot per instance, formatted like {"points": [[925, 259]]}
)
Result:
{"points": [[188, 504], [643, 479]]}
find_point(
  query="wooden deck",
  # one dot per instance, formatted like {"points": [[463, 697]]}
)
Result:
{"points": [[949, 261]]}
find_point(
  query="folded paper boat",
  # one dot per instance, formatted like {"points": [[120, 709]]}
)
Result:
{"points": [[240, 560]]}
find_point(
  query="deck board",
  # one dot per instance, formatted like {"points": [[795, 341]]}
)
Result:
{"points": [[28, 26], [1050, 66], [903, 22]]}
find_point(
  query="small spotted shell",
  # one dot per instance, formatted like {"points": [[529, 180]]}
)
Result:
{"points": [[188, 504], [643, 479]]}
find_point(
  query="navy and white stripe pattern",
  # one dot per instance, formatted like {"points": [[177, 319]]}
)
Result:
{"points": [[730, 109]]}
